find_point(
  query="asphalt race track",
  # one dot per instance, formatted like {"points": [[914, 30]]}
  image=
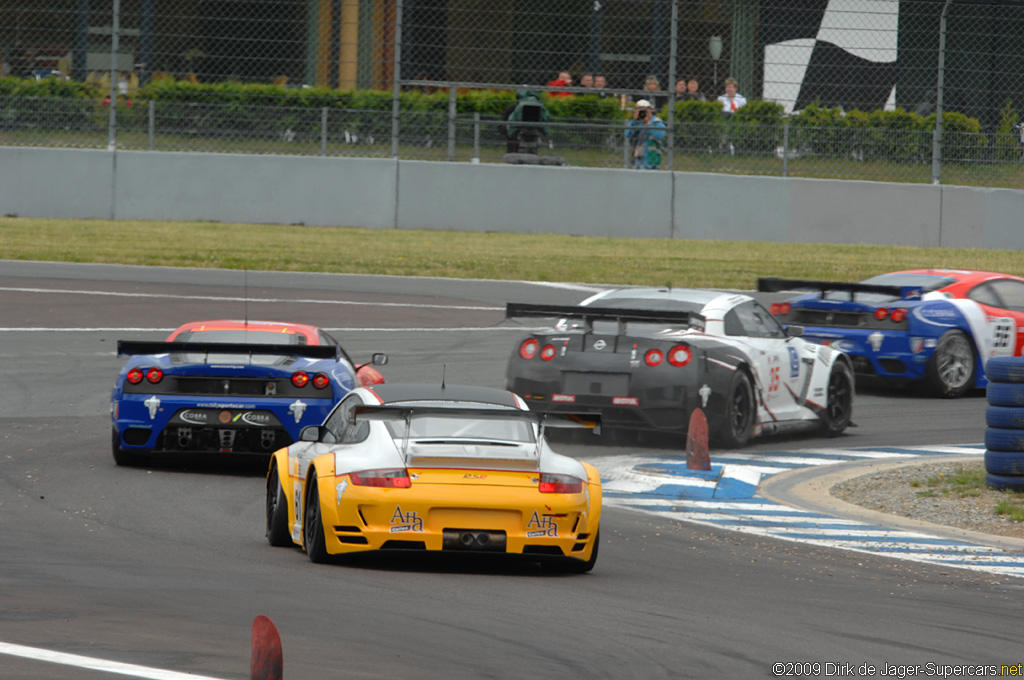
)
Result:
{"points": [[166, 567]]}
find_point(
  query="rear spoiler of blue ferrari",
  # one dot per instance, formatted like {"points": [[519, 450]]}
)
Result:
{"points": [[136, 347], [586, 421], [591, 314], [774, 285]]}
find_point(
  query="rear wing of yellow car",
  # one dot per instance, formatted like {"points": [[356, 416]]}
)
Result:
{"points": [[775, 285], [137, 347], [666, 317], [587, 421]]}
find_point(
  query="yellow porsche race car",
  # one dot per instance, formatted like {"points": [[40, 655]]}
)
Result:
{"points": [[435, 468]]}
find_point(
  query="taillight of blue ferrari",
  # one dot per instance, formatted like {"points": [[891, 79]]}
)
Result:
{"points": [[395, 478], [551, 483], [320, 381], [135, 376], [154, 375]]}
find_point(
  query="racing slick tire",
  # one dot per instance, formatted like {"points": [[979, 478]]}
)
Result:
{"points": [[1009, 417], [1005, 394], [313, 525], [999, 439], [839, 407], [122, 457], [277, 512], [952, 366], [740, 412], [1005, 369], [573, 566], [1005, 482], [1004, 463]]}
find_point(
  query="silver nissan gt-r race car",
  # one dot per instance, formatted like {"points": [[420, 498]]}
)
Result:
{"points": [[646, 358]]}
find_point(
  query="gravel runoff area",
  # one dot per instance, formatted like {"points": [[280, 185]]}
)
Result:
{"points": [[899, 491]]}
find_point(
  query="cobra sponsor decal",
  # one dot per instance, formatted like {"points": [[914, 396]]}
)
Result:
{"points": [[194, 417], [541, 525], [256, 418], [937, 316], [407, 521]]}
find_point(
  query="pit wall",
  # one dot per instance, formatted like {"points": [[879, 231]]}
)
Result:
{"points": [[390, 194]]}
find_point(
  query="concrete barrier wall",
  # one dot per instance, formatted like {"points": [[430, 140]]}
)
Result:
{"points": [[388, 194]]}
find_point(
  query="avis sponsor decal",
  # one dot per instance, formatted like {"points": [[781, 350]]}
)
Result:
{"points": [[408, 521], [541, 525]]}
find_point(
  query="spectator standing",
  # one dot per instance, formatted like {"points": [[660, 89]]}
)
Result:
{"points": [[693, 92], [564, 79], [679, 94], [651, 84], [587, 80], [731, 101], [600, 84], [646, 134]]}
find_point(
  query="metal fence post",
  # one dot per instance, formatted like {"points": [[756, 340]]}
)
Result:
{"points": [[476, 137], [452, 92], [323, 131], [114, 46], [670, 86], [151, 126], [939, 81], [396, 95], [785, 148]]}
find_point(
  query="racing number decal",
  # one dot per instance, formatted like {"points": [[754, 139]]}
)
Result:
{"points": [[297, 506]]}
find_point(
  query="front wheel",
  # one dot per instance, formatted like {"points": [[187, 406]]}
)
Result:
{"points": [[277, 512], [839, 404], [740, 412], [316, 543], [952, 366]]}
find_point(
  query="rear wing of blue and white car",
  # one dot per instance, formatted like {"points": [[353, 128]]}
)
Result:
{"points": [[139, 347], [776, 285], [667, 317], [587, 421]]}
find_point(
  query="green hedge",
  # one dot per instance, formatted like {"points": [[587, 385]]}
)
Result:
{"points": [[230, 109]]}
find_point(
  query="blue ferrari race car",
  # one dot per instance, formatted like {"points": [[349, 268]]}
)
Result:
{"points": [[223, 387], [933, 326]]}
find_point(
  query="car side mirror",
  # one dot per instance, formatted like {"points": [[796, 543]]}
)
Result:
{"points": [[794, 331], [379, 359], [311, 433]]}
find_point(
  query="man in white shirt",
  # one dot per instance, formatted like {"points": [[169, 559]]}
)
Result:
{"points": [[731, 100]]}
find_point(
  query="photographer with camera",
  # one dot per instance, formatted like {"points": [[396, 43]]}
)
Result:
{"points": [[646, 134]]}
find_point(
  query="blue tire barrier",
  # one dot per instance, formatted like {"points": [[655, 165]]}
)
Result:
{"points": [[998, 439], [1005, 369], [1004, 463], [1008, 417], [1005, 394], [1005, 482]]}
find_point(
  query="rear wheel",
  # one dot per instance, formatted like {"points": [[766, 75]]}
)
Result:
{"points": [[316, 543], [277, 512], [740, 412], [839, 407], [952, 366]]}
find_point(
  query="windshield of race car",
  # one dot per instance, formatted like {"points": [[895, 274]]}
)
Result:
{"points": [[925, 282]]}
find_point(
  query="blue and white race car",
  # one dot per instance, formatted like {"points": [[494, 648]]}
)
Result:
{"points": [[228, 387], [936, 326]]}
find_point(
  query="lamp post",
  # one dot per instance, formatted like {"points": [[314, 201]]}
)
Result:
{"points": [[715, 48]]}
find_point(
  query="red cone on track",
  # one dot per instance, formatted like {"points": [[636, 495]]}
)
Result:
{"points": [[267, 662], [697, 442]]}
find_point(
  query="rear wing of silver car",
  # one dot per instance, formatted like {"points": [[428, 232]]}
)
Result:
{"points": [[587, 421], [137, 347], [775, 285], [666, 317]]}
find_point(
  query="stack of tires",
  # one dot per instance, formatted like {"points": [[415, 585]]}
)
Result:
{"points": [[1004, 436]]}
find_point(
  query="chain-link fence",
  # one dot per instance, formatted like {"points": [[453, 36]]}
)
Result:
{"points": [[908, 90]]}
